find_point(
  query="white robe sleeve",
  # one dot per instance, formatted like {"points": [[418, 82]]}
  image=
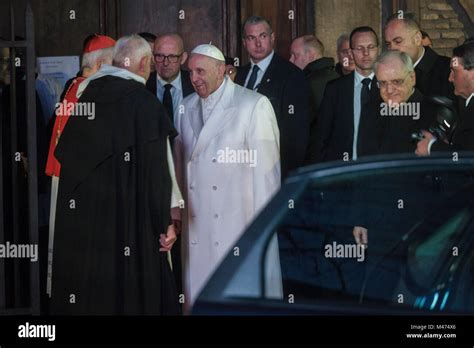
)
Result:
{"points": [[264, 137], [176, 196]]}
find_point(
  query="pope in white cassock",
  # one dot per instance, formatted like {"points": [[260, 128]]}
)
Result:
{"points": [[228, 165]]}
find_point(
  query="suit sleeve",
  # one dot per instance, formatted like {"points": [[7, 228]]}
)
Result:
{"points": [[295, 121], [263, 136], [465, 143], [325, 124], [317, 88]]}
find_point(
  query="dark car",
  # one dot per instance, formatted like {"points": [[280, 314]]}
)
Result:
{"points": [[419, 216]]}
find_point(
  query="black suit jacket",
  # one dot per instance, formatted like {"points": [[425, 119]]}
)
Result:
{"points": [[335, 129], [397, 130], [318, 73], [288, 91], [186, 85], [463, 137], [432, 74]]}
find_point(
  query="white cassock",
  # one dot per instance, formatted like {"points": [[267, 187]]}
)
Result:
{"points": [[222, 197]]}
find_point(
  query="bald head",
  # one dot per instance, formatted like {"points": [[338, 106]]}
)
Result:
{"points": [[402, 33], [170, 39], [306, 49], [169, 56]]}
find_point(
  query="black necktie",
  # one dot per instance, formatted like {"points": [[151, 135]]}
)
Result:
{"points": [[365, 93], [253, 77], [168, 101], [364, 108]]}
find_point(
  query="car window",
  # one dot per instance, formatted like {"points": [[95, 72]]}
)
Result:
{"points": [[420, 237], [428, 255], [412, 222]]}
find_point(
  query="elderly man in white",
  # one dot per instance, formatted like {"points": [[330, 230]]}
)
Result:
{"points": [[228, 165]]}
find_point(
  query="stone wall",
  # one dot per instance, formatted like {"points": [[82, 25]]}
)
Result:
{"points": [[442, 24], [334, 17], [436, 17]]}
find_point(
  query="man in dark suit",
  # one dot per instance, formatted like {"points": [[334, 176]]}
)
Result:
{"points": [[462, 76], [170, 84], [284, 84], [346, 126], [307, 53], [432, 70], [404, 109], [402, 112]]}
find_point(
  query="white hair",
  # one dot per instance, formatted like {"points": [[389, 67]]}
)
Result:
{"points": [[391, 54], [90, 59], [129, 50]]}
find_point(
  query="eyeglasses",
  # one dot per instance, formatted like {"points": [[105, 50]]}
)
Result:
{"points": [[361, 49], [394, 83], [172, 58]]}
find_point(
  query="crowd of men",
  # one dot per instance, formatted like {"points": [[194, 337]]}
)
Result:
{"points": [[184, 149]]}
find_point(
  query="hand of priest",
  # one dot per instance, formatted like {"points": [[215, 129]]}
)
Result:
{"points": [[167, 240], [422, 148]]}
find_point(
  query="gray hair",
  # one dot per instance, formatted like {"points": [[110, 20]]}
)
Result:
{"points": [[90, 59], [256, 20], [340, 40], [401, 56], [129, 50]]}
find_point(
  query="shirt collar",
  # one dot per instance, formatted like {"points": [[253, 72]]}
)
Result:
{"points": [[176, 83], [264, 63], [359, 77], [469, 99], [421, 57]]}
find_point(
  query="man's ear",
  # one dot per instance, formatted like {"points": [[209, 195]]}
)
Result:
{"points": [[413, 78], [144, 62], [418, 37], [272, 38], [471, 75], [184, 57], [222, 69], [98, 64]]}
